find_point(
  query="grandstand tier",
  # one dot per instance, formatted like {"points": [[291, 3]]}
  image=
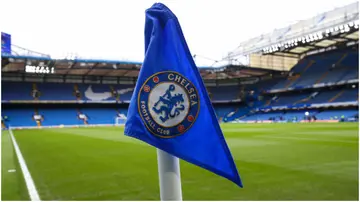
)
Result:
{"points": [[303, 90]]}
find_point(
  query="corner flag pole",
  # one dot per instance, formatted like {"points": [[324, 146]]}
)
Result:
{"points": [[169, 176]]}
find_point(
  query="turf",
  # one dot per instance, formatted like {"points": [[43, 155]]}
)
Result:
{"points": [[12, 180], [275, 161]]}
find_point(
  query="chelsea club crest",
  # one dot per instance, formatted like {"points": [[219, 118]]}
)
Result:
{"points": [[168, 104]]}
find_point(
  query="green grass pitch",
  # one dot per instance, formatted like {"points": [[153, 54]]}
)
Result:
{"points": [[275, 161]]}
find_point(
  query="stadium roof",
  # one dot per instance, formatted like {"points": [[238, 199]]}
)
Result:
{"points": [[324, 31], [266, 52], [43, 65]]}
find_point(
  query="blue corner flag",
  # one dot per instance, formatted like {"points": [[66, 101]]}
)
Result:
{"points": [[170, 108]]}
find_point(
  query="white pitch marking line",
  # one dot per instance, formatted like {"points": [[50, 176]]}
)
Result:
{"points": [[34, 196], [11, 170]]}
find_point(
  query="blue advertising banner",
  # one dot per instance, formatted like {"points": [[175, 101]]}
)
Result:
{"points": [[5, 43]]}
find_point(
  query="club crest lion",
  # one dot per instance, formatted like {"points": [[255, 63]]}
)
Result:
{"points": [[168, 104]]}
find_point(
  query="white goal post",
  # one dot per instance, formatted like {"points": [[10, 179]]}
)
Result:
{"points": [[120, 120]]}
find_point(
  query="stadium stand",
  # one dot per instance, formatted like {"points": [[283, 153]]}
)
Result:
{"points": [[321, 78], [336, 114], [23, 117], [57, 91], [323, 68]]}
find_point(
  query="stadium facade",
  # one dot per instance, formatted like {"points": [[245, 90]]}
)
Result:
{"points": [[305, 72]]}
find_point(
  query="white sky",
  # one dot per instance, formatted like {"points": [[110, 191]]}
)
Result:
{"points": [[113, 29]]}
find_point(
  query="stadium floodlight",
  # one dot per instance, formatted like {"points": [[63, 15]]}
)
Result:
{"points": [[327, 31], [336, 29], [331, 29], [351, 24], [320, 37], [286, 46]]}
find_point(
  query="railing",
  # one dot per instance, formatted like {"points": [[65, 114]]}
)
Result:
{"points": [[319, 85], [309, 106], [63, 101], [63, 126]]}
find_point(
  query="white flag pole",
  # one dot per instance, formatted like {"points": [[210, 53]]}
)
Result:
{"points": [[169, 176]]}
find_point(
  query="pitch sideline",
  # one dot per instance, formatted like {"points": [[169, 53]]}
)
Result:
{"points": [[33, 193]]}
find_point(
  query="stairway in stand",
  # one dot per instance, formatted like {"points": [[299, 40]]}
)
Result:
{"points": [[336, 96], [292, 81], [76, 92], [35, 93], [37, 120]]}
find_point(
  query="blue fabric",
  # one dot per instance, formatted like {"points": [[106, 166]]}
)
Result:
{"points": [[200, 140]]}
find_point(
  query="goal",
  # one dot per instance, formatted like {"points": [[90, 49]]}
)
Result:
{"points": [[120, 120]]}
